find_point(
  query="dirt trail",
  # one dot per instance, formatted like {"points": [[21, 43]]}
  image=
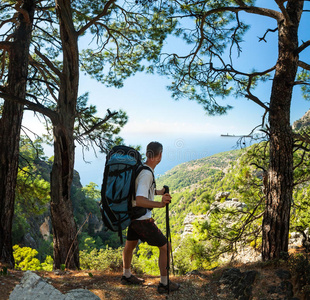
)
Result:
{"points": [[197, 286]]}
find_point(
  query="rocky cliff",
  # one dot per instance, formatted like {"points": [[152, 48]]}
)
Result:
{"points": [[303, 122], [243, 253]]}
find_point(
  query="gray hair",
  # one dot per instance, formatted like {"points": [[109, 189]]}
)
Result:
{"points": [[153, 149]]}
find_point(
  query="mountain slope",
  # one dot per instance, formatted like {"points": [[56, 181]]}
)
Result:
{"points": [[192, 172], [193, 186]]}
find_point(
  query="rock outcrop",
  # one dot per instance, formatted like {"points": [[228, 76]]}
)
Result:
{"points": [[237, 284], [243, 254], [303, 122], [228, 204], [34, 287], [189, 220], [221, 195]]}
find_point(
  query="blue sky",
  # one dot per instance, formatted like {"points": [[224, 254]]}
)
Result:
{"points": [[183, 126]]}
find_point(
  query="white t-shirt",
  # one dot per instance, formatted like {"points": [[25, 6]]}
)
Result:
{"points": [[145, 187]]}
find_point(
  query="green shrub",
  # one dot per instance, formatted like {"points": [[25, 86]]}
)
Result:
{"points": [[103, 259], [192, 255], [47, 265], [146, 260], [25, 259]]}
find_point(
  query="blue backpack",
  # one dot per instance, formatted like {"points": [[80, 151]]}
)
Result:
{"points": [[123, 165]]}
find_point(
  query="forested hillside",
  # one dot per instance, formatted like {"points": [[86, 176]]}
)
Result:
{"points": [[193, 186], [192, 172]]}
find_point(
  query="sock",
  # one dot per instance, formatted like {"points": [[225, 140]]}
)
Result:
{"points": [[127, 273], [164, 280]]}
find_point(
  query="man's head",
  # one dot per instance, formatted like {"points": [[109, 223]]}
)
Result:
{"points": [[154, 150]]}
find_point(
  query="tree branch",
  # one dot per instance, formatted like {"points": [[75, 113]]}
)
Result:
{"points": [[251, 96], [44, 72], [108, 117], [302, 137], [248, 9], [268, 30], [5, 45], [302, 47], [22, 11], [287, 19], [48, 62], [304, 65], [301, 160], [51, 39], [30, 105], [94, 20]]}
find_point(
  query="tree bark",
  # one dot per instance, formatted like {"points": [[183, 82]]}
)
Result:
{"points": [[66, 250], [10, 125], [280, 174]]}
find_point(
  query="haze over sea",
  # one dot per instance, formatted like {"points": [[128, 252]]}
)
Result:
{"points": [[178, 148]]}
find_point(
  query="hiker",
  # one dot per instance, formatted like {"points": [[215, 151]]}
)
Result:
{"points": [[144, 228]]}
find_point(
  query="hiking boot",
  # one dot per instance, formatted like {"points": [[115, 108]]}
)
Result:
{"points": [[131, 280], [164, 288]]}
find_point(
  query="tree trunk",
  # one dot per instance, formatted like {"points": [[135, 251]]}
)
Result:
{"points": [[280, 174], [66, 250], [10, 125], [64, 226]]}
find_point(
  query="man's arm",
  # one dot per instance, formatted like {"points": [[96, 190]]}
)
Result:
{"points": [[144, 202]]}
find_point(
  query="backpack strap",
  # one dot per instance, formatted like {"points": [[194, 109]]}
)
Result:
{"points": [[138, 211], [144, 167]]}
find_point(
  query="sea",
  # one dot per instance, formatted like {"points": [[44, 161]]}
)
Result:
{"points": [[178, 148]]}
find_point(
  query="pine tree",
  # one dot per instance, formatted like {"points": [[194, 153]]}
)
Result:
{"points": [[207, 68]]}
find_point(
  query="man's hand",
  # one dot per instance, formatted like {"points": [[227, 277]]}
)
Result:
{"points": [[160, 192], [166, 199]]}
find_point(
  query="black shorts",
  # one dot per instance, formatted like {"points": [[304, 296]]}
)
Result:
{"points": [[146, 231]]}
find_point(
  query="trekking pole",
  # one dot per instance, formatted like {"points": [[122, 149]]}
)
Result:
{"points": [[172, 263], [167, 234]]}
